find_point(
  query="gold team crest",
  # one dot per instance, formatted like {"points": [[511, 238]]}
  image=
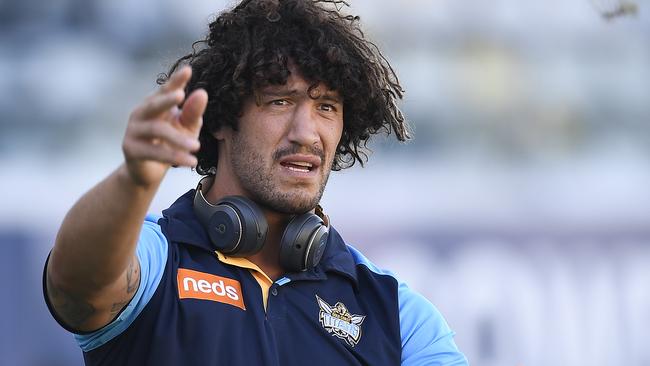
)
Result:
{"points": [[338, 321]]}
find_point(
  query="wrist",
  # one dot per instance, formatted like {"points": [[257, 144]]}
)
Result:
{"points": [[130, 175]]}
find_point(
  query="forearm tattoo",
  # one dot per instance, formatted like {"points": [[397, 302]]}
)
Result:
{"points": [[75, 311], [132, 282], [72, 309], [132, 276]]}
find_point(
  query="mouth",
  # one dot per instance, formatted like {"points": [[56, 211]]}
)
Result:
{"points": [[298, 166], [301, 164]]}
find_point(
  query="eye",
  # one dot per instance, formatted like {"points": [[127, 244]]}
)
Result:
{"points": [[327, 107], [279, 102]]}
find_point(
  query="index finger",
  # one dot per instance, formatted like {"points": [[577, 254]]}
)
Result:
{"points": [[177, 80]]}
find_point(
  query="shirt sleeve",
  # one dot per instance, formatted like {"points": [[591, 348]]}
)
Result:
{"points": [[151, 252], [426, 337]]}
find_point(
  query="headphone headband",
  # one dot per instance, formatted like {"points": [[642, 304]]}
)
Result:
{"points": [[202, 208]]}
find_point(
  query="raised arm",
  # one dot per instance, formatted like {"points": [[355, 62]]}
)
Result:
{"points": [[92, 272]]}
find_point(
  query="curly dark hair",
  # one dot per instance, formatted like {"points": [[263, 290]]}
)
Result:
{"points": [[250, 47]]}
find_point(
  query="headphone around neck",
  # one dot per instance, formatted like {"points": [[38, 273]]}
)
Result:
{"points": [[237, 227]]}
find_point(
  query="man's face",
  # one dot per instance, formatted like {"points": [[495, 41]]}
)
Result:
{"points": [[282, 153]]}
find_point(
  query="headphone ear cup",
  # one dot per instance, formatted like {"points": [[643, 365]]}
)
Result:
{"points": [[224, 227], [254, 226], [237, 227], [303, 242]]}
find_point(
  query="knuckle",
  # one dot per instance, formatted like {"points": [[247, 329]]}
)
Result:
{"points": [[178, 157], [163, 131], [146, 103], [129, 148], [153, 104], [152, 129], [127, 142], [150, 105], [135, 113], [175, 156]]}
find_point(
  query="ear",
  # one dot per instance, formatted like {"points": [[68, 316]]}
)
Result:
{"points": [[223, 133]]}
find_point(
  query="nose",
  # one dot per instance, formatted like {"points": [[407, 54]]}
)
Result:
{"points": [[303, 129]]}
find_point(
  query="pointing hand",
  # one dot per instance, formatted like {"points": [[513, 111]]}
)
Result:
{"points": [[159, 134]]}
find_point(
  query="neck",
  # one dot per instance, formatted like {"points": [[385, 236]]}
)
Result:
{"points": [[268, 258]]}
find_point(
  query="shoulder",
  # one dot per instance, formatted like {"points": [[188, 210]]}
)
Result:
{"points": [[152, 243], [425, 335]]}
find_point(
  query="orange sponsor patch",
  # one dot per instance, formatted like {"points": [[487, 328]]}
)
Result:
{"points": [[198, 285]]}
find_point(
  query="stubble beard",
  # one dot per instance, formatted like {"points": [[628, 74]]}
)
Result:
{"points": [[257, 181]]}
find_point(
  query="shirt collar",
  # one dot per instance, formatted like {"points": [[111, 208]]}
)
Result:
{"points": [[180, 224]]}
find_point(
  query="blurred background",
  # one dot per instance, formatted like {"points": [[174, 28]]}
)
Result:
{"points": [[521, 209]]}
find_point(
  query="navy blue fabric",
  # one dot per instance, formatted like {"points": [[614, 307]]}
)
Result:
{"points": [[174, 331]]}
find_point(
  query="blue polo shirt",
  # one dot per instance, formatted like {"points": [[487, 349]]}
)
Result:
{"points": [[198, 307]]}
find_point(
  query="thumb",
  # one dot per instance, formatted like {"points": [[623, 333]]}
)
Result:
{"points": [[192, 114]]}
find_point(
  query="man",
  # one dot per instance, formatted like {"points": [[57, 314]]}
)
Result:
{"points": [[246, 269]]}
